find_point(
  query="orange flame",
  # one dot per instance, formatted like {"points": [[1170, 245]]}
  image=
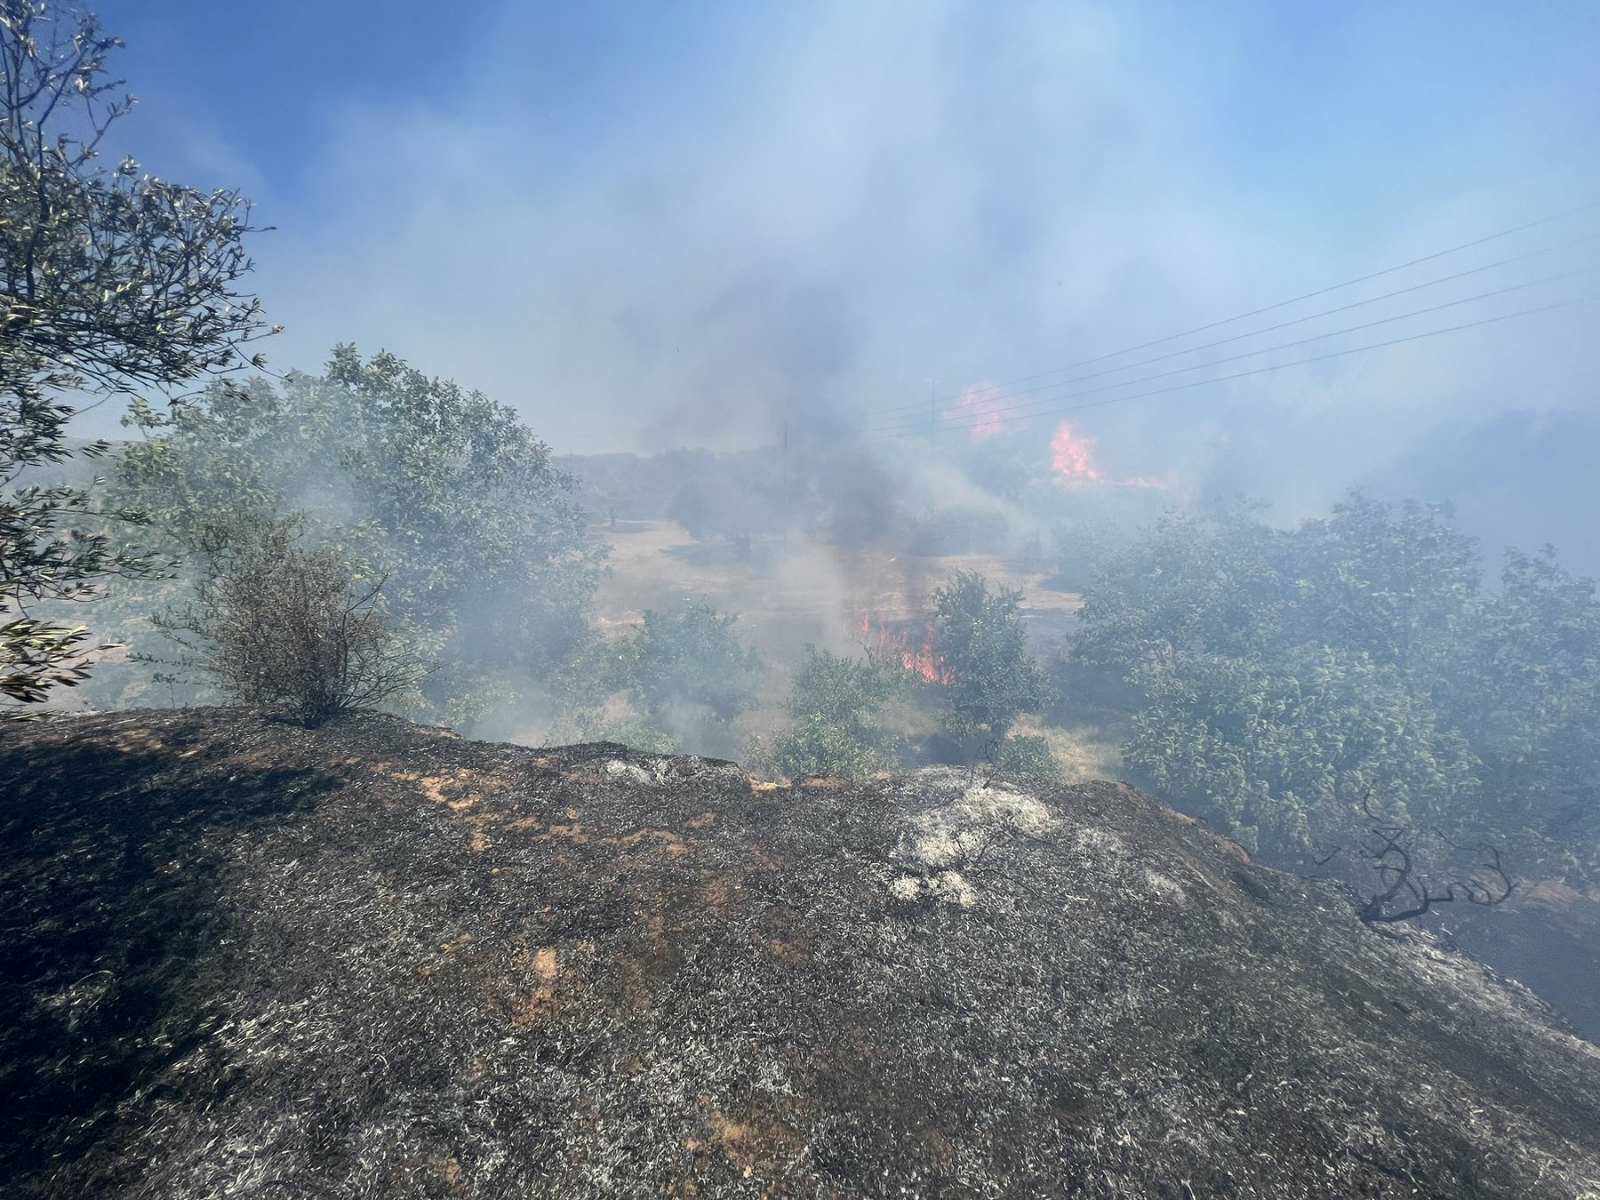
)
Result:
{"points": [[887, 643], [1072, 456], [1072, 459]]}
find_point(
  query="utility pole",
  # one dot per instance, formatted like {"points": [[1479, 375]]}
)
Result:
{"points": [[933, 414]]}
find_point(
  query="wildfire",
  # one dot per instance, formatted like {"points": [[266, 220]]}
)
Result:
{"points": [[891, 644], [977, 410], [980, 409], [1072, 459], [1072, 455]]}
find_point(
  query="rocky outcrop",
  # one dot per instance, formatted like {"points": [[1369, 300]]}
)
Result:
{"points": [[244, 959]]}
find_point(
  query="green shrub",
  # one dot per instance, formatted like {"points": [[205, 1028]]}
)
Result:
{"points": [[989, 677], [686, 674], [836, 707], [449, 494]]}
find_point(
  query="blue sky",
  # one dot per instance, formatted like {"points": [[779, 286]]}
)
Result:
{"points": [[649, 224]]}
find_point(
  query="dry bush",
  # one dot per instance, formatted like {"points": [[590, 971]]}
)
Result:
{"points": [[275, 624]]}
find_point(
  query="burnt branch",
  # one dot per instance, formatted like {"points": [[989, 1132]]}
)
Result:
{"points": [[1402, 893]]}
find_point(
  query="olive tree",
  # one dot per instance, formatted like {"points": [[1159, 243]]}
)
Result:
{"points": [[1281, 678], [1523, 687]]}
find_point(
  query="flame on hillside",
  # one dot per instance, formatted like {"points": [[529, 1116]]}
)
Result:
{"points": [[1072, 456], [982, 411], [914, 654], [1072, 460]]}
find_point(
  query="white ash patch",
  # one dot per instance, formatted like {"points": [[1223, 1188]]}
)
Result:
{"points": [[1024, 813], [618, 769], [1101, 842], [905, 887], [941, 841], [939, 848], [951, 887], [1166, 887], [957, 832]]}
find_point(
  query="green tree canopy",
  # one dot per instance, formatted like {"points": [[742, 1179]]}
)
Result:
{"points": [[836, 709], [687, 673], [1280, 750], [1283, 676], [1523, 687], [989, 677]]}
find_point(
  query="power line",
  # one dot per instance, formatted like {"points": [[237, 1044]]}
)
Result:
{"points": [[991, 395], [979, 418], [1178, 387], [1256, 312]]}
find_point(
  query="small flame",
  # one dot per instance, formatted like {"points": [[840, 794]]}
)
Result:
{"points": [[1072, 456], [977, 408]]}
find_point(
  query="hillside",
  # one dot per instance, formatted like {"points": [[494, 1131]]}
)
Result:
{"points": [[244, 959]]}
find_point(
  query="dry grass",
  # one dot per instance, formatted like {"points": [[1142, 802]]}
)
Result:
{"points": [[805, 586], [1083, 751]]}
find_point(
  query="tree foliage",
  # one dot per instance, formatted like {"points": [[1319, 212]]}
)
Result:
{"points": [[1396, 582], [989, 678], [836, 709], [1276, 750], [1283, 676], [1523, 686], [110, 281], [449, 494], [686, 673]]}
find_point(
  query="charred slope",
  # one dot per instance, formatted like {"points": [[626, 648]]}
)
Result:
{"points": [[245, 959]]}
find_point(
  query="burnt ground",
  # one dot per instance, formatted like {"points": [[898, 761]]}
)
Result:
{"points": [[243, 959], [1547, 935]]}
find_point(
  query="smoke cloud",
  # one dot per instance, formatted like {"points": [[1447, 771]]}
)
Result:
{"points": [[646, 229]]}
